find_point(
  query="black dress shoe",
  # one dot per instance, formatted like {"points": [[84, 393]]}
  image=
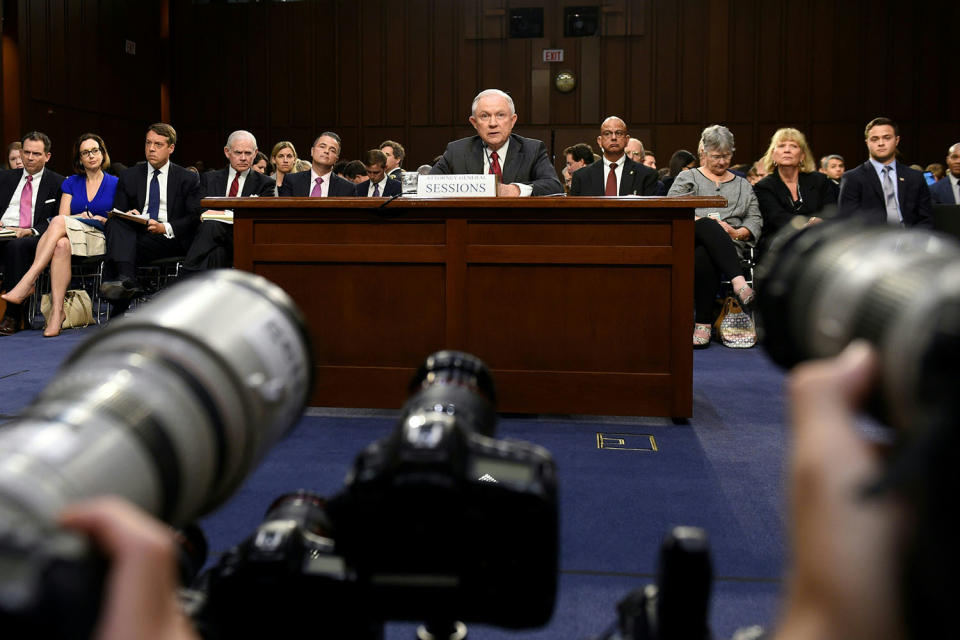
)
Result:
{"points": [[119, 289], [9, 326]]}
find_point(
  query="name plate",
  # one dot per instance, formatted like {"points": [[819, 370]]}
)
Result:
{"points": [[466, 185]]}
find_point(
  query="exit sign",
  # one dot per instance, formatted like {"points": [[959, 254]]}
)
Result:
{"points": [[553, 55]]}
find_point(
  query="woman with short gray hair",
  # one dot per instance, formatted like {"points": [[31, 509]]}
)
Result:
{"points": [[721, 234]]}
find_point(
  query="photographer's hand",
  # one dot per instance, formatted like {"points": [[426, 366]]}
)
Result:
{"points": [[843, 579], [139, 601]]}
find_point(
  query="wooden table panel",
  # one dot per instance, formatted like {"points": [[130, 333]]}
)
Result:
{"points": [[579, 305]]}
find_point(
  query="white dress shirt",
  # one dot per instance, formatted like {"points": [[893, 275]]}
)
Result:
{"points": [[162, 180], [893, 176], [622, 160], [525, 189], [11, 216], [324, 186]]}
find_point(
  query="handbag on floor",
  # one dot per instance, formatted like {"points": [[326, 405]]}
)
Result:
{"points": [[734, 326], [76, 304]]}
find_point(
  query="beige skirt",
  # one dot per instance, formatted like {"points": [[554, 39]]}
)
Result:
{"points": [[85, 240]]}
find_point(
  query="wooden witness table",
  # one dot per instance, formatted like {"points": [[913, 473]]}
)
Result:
{"points": [[578, 305]]}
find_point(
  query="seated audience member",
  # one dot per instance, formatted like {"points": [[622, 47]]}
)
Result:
{"points": [[634, 150], [522, 163], [284, 159], [760, 169], [681, 160], [650, 158], [662, 173], [883, 190], [319, 181], [212, 246], [577, 156], [936, 170], [832, 167], [339, 167], [355, 171], [29, 197], [721, 234], [616, 175], [395, 154], [86, 201], [567, 178], [301, 165], [947, 191], [792, 187], [262, 165], [170, 196], [379, 184], [752, 176], [13, 155]]}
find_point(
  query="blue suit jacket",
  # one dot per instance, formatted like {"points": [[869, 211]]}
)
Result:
{"points": [[861, 194], [941, 192], [390, 187], [526, 163], [298, 185]]}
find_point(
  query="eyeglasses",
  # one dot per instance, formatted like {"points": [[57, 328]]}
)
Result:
{"points": [[89, 153], [610, 134], [716, 157], [634, 154]]}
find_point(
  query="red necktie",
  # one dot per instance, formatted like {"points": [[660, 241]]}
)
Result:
{"points": [[26, 204], [611, 181], [495, 165], [235, 186]]}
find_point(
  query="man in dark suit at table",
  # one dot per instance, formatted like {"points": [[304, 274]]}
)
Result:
{"points": [[29, 197], [395, 154], [615, 174], [883, 190], [169, 195], [320, 181], [212, 247], [946, 190], [521, 163], [378, 185]]}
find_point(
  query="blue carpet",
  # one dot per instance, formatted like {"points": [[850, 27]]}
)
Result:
{"points": [[722, 471]]}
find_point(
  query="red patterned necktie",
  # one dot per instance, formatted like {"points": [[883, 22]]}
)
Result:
{"points": [[495, 165], [611, 181], [235, 186]]}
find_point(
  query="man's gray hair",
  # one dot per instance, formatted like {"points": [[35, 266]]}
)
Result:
{"points": [[239, 135], [825, 160], [491, 92], [716, 137]]}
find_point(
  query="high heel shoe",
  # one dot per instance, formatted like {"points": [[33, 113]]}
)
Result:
{"points": [[9, 297], [63, 319], [701, 335]]}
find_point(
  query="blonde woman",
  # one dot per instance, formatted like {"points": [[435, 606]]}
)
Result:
{"points": [[284, 158], [793, 186]]}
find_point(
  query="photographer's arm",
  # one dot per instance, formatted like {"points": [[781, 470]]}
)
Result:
{"points": [[140, 600], [842, 582]]}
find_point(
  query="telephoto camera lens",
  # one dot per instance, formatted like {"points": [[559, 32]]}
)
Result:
{"points": [[169, 408], [822, 286]]}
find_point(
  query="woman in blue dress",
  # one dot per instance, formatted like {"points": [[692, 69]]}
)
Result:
{"points": [[87, 197]]}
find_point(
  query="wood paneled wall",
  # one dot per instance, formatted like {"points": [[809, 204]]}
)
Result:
{"points": [[408, 70], [75, 75]]}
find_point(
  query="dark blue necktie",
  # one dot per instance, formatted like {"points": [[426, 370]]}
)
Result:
{"points": [[153, 208]]}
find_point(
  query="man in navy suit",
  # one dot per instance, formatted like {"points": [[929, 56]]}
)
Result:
{"points": [[320, 181], [946, 190], [615, 174], [379, 184], [169, 195], [29, 197], [212, 248], [883, 190], [521, 163], [395, 154]]}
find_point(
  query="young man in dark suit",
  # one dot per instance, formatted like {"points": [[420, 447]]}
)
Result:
{"points": [[29, 197], [615, 174], [946, 190], [320, 181], [169, 195], [522, 163], [395, 154], [212, 247], [378, 185], [883, 190]]}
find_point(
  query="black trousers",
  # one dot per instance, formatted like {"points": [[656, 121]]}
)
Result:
{"points": [[714, 255], [17, 255], [130, 244], [212, 248]]}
